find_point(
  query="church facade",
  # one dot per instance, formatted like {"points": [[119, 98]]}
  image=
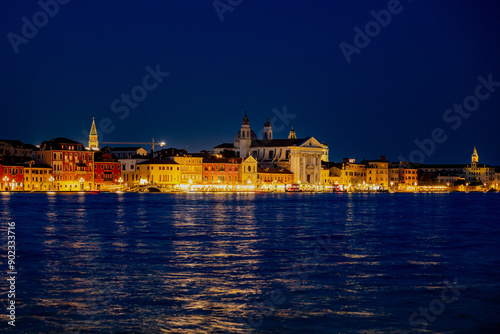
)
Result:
{"points": [[301, 156]]}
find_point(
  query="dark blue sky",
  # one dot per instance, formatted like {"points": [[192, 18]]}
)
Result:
{"points": [[264, 55]]}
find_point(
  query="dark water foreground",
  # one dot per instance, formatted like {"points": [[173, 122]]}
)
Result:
{"points": [[264, 263]]}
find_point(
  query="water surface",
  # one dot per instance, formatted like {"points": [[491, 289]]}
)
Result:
{"points": [[263, 263]]}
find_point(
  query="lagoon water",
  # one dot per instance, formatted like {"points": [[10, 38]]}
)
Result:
{"points": [[257, 263]]}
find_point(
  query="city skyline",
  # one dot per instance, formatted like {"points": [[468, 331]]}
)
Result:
{"points": [[98, 144], [190, 71]]}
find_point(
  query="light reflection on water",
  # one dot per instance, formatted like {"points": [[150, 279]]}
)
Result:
{"points": [[192, 263]]}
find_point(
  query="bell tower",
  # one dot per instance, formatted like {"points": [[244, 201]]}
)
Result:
{"points": [[292, 134], [93, 143], [475, 158], [245, 137], [268, 130]]}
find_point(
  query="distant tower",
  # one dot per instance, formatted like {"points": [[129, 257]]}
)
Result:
{"points": [[268, 130], [93, 143], [292, 134], [326, 152], [475, 157], [245, 137]]}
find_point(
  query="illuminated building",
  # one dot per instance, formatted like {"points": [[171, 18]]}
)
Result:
{"points": [[11, 176], [410, 176], [301, 156], [37, 177], [129, 168], [221, 170], [72, 165], [478, 173], [191, 168], [274, 178], [377, 173], [107, 172], [161, 172], [248, 171], [352, 173]]}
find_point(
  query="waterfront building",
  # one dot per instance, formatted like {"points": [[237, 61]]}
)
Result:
{"points": [[247, 173], [478, 173], [394, 177], [11, 176], [325, 176], [107, 172], [352, 174], [38, 177], [161, 172], [191, 168], [473, 174], [129, 169], [273, 178], [93, 142], [300, 156], [221, 170], [72, 165], [410, 176], [377, 173], [330, 174]]}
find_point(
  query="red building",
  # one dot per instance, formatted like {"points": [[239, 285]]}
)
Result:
{"points": [[11, 176], [107, 172], [72, 165], [220, 170]]}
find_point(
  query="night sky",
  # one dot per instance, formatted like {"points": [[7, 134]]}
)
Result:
{"points": [[267, 57]]}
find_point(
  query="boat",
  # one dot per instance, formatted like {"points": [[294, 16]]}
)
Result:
{"points": [[336, 189], [95, 191]]}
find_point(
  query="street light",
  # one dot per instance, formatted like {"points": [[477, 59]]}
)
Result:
{"points": [[120, 180], [51, 179], [81, 183]]}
